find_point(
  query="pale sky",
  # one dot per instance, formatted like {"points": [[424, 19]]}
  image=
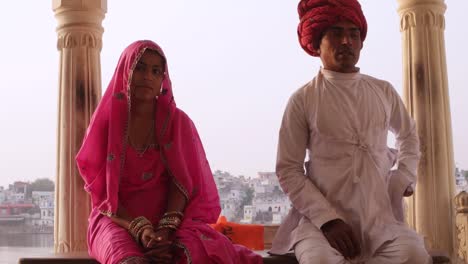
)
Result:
{"points": [[233, 64]]}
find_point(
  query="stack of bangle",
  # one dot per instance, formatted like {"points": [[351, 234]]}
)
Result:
{"points": [[137, 226], [171, 220]]}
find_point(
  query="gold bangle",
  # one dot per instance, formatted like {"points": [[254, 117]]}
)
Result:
{"points": [[170, 220], [134, 230], [173, 227], [179, 213], [140, 232], [135, 221], [138, 224]]}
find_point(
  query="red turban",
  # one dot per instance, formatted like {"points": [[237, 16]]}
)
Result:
{"points": [[317, 15]]}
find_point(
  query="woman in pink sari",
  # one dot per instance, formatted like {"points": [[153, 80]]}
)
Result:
{"points": [[152, 191]]}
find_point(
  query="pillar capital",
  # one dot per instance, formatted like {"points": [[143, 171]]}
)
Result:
{"points": [[80, 4], [403, 4], [70, 12], [421, 13], [79, 22]]}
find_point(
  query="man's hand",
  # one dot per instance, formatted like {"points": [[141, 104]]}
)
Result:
{"points": [[408, 192], [341, 237]]}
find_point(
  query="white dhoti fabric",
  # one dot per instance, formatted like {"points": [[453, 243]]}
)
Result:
{"points": [[406, 248]]}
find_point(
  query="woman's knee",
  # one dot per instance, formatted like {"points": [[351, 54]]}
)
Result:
{"points": [[136, 260]]}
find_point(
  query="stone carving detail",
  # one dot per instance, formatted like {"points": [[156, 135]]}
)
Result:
{"points": [[426, 17], [461, 203], [462, 246], [79, 39], [63, 246]]}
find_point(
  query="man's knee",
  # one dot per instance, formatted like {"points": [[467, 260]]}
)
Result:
{"points": [[416, 254], [405, 254], [317, 256], [308, 252]]}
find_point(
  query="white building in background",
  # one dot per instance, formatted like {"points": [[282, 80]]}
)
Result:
{"points": [[275, 204], [45, 201], [16, 193], [266, 182], [223, 179], [268, 205], [236, 194], [3, 195], [228, 209], [249, 214], [232, 192], [460, 181], [17, 197], [231, 201], [281, 205], [269, 201], [277, 219]]}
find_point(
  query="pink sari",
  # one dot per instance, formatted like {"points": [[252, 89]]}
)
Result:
{"points": [[103, 155]]}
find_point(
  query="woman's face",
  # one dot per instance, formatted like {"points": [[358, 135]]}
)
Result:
{"points": [[148, 76]]}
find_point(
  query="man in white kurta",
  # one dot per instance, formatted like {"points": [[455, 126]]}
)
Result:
{"points": [[347, 197]]}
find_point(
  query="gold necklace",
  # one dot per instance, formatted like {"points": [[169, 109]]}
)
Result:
{"points": [[141, 151]]}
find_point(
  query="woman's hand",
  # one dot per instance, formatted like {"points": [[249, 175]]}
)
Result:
{"points": [[150, 238], [158, 244]]}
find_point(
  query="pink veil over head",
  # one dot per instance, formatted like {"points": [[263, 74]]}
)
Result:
{"points": [[102, 155]]}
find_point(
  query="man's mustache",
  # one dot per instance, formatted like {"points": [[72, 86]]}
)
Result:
{"points": [[346, 51]]}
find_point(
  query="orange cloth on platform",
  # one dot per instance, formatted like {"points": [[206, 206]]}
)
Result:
{"points": [[248, 235]]}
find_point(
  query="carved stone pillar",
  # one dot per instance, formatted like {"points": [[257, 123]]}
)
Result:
{"points": [[79, 42], [425, 88], [461, 203]]}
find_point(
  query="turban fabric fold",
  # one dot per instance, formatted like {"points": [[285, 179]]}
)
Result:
{"points": [[318, 15]]}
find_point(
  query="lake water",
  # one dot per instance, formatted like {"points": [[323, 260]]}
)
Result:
{"points": [[27, 240]]}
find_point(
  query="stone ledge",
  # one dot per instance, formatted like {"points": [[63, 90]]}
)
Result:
{"points": [[437, 258], [83, 258]]}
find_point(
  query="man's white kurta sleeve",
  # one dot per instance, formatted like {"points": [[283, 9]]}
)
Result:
{"points": [[407, 143], [292, 145]]}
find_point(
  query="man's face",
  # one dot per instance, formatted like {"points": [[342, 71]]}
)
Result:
{"points": [[340, 47]]}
